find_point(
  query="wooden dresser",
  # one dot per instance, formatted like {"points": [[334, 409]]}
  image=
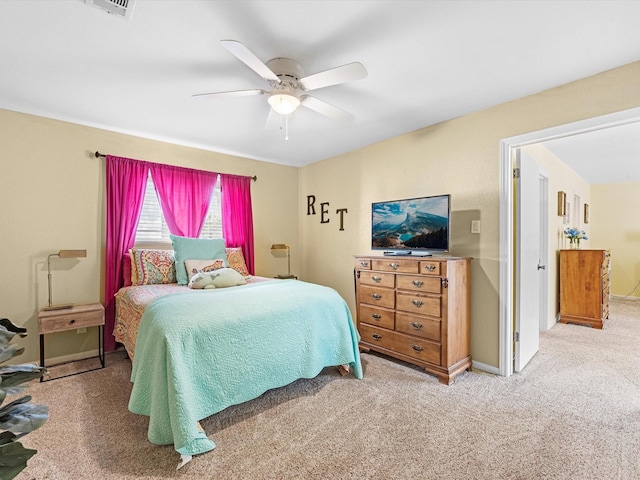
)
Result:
{"points": [[416, 310], [584, 287]]}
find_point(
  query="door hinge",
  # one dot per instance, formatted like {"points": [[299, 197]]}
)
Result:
{"points": [[516, 173], [516, 336]]}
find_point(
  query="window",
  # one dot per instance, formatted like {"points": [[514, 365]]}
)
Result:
{"points": [[152, 227]]}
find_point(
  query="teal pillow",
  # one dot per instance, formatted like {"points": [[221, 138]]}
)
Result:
{"points": [[186, 248]]}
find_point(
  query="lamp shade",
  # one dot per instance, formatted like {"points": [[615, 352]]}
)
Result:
{"points": [[283, 103], [72, 253]]}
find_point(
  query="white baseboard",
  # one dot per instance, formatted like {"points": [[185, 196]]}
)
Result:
{"points": [[485, 368], [625, 297], [50, 362]]}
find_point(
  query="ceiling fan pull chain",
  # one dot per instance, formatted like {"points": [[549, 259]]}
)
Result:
{"points": [[286, 127]]}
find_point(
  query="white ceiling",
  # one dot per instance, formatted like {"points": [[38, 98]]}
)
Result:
{"points": [[428, 61], [608, 155]]}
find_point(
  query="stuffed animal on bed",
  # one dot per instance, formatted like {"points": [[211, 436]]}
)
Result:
{"points": [[220, 278]]}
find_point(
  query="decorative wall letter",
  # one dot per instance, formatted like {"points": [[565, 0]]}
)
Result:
{"points": [[324, 211], [341, 212], [311, 199]]}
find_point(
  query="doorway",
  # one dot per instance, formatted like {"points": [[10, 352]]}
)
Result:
{"points": [[508, 242]]}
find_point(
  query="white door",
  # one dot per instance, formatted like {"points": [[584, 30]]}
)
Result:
{"points": [[528, 260]]}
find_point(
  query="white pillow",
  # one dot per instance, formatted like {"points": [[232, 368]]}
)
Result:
{"points": [[197, 266], [221, 278]]}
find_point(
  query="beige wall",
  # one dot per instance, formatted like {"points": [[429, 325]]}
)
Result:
{"points": [[615, 220], [52, 193], [52, 197], [565, 179], [459, 157]]}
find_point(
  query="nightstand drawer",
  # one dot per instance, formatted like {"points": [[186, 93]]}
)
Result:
{"points": [[76, 317]]}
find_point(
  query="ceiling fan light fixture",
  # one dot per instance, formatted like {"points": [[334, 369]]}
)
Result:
{"points": [[283, 103]]}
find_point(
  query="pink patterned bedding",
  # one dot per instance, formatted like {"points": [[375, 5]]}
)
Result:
{"points": [[131, 302], [130, 305]]}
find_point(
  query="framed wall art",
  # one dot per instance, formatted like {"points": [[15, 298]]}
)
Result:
{"points": [[586, 213]]}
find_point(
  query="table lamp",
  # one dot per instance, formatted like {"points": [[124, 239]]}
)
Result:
{"points": [[284, 246], [61, 254]]}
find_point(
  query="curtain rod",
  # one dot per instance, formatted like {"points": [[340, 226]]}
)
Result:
{"points": [[102, 155]]}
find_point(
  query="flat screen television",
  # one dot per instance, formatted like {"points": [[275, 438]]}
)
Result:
{"points": [[415, 226]]}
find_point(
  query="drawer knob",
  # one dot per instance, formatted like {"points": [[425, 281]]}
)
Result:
{"points": [[72, 321], [376, 296], [376, 316], [417, 348], [431, 268], [417, 303], [417, 283], [376, 279], [364, 264], [394, 266], [376, 336], [416, 325]]}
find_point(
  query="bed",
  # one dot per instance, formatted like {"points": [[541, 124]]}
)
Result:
{"points": [[197, 352]]}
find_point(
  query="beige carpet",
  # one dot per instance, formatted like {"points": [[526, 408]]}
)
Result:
{"points": [[574, 413]]}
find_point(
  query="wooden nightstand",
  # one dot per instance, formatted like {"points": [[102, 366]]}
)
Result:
{"points": [[77, 316]]}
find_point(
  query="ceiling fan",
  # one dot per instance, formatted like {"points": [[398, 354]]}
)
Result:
{"points": [[288, 84]]}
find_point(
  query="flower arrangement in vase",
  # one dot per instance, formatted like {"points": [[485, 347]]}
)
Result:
{"points": [[574, 235]]}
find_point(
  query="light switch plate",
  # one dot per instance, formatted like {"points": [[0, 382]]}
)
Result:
{"points": [[475, 226]]}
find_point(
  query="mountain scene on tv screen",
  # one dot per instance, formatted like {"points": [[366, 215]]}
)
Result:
{"points": [[411, 224]]}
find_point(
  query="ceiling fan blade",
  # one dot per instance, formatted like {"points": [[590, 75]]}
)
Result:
{"points": [[325, 109], [345, 73], [232, 93], [248, 58]]}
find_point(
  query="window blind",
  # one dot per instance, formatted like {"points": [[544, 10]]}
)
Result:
{"points": [[152, 227]]}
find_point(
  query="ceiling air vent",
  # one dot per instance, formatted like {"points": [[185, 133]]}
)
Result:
{"points": [[119, 8]]}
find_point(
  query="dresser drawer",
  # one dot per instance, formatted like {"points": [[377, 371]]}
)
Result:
{"points": [[420, 304], [421, 326], [605, 281], [376, 316], [378, 296], [363, 264], [432, 268], [419, 283], [405, 344], [55, 321], [396, 265], [378, 278]]}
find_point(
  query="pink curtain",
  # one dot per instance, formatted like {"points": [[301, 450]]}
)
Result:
{"points": [[126, 182], [237, 216], [184, 195]]}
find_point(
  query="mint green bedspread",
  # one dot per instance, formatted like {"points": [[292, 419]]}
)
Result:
{"points": [[202, 351]]}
